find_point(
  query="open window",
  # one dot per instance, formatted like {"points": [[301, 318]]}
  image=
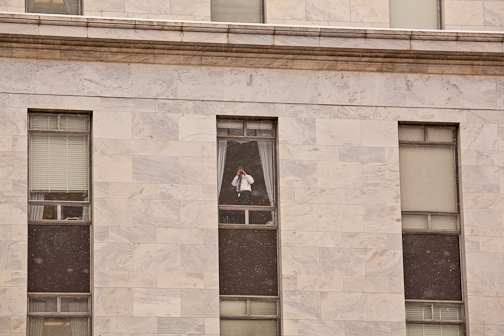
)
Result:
{"points": [[248, 252]]}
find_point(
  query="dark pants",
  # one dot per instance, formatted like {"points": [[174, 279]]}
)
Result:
{"points": [[242, 199]]}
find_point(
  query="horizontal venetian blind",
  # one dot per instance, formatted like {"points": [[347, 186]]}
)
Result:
{"points": [[59, 163]]}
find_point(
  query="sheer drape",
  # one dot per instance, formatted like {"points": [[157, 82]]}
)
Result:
{"points": [[36, 211], [36, 324], [79, 325], [221, 163], [266, 155]]}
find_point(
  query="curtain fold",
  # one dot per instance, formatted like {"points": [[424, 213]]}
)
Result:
{"points": [[266, 155], [36, 211], [36, 324], [78, 325], [221, 163]]}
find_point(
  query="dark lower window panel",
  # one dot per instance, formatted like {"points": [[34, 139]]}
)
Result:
{"points": [[432, 267], [248, 262], [58, 258]]}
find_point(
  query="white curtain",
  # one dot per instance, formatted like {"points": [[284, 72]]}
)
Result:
{"points": [[36, 324], [79, 325], [36, 211], [221, 163], [266, 155]]}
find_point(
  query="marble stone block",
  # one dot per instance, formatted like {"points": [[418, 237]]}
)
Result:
{"points": [[300, 260], [313, 153], [128, 105], [339, 132], [197, 127], [181, 325], [370, 196], [368, 328], [153, 213], [131, 190], [369, 240], [478, 136], [485, 310], [153, 81], [339, 174], [336, 87], [107, 6], [380, 175], [132, 279], [464, 13], [13, 209], [5, 322], [341, 218], [361, 154], [427, 90], [385, 307], [18, 324], [384, 219], [488, 266], [343, 306], [317, 195], [292, 86], [131, 147], [483, 222], [316, 239], [246, 84], [384, 263], [194, 81], [378, 133], [321, 328], [199, 258], [366, 284], [113, 302], [283, 9], [105, 79], [113, 257], [155, 126], [198, 214], [179, 148], [71, 78], [364, 11], [112, 212], [156, 257], [156, 302], [199, 302], [13, 165], [155, 169], [318, 283], [179, 236], [299, 131], [383, 89], [13, 301], [132, 235], [298, 173], [342, 261], [133, 324], [112, 168], [299, 216], [480, 179], [301, 305], [180, 280], [198, 170]]}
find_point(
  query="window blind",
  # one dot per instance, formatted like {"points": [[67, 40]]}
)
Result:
{"points": [[59, 163]]}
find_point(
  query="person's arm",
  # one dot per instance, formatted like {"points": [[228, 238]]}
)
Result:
{"points": [[249, 178], [234, 183]]}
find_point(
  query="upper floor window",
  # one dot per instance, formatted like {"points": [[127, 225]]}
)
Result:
{"points": [[65, 7], [415, 14], [248, 253], [237, 11], [59, 225], [431, 230]]}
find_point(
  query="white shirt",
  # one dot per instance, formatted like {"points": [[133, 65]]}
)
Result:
{"points": [[246, 181]]}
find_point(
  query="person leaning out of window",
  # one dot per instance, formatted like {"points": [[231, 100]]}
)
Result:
{"points": [[243, 183]]}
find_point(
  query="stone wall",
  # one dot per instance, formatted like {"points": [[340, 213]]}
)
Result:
{"points": [[154, 166]]}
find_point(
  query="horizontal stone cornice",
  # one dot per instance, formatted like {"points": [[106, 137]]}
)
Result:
{"points": [[248, 45]]}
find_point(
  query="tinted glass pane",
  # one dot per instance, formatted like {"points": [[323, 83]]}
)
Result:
{"points": [[256, 158], [416, 311], [440, 134], [263, 307], [416, 14], [431, 267], [248, 328], [453, 313], [428, 178], [414, 222], [434, 330], [43, 305], [236, 11], [58, 326], [68, 7], [233, 307], [74, 305], [58, 258], [248, 262], [411, 133]]}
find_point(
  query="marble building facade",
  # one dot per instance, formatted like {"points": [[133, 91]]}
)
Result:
{"points": [[155, 90]]}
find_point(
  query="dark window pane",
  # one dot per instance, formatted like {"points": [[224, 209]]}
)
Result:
{"points": [[58, 258], [431, 267], [248, 262], [256, 158], [69, 7]]}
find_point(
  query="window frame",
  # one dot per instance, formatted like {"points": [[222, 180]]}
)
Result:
{"points": [[60, 203], [247, 226], [430, 231]]}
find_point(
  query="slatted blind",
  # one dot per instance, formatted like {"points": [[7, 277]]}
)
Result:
{"points": [[59, 162]]}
